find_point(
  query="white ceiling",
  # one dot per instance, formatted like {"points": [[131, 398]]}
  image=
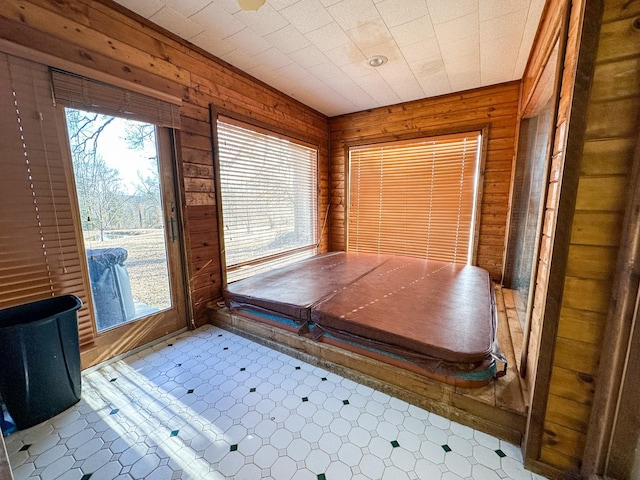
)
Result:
{"points": [[316, 50]]}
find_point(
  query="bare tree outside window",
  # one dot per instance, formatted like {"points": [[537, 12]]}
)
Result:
{"points": [[115, 164], [100, 193]]}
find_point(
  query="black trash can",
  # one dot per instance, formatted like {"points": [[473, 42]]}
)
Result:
{"points": [[40, 359], [111, 287]]}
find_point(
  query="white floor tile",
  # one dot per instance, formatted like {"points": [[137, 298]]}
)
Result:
{"points": [[436, 435], [460, 445], [394, 473], [486, 457], [57, 468], [458, 464], [211, 404], [403, 459], [50, 456], [349, 454], [284, 468]]}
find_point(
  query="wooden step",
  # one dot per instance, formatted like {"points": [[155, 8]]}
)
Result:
{"points": [[497, 409]]}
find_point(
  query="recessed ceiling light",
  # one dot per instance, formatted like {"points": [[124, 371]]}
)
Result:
{"points": [[377, 60]]}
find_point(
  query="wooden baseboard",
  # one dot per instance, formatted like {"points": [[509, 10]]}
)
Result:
{"points": [[474, 409], [546, 470]]}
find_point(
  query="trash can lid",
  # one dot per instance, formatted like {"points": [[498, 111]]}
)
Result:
{"points": [[38, 311], [111, 255]]}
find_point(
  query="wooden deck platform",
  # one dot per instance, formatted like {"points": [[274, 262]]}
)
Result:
{"points": [[498, 409]]}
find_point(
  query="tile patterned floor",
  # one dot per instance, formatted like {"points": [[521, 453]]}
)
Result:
{"points": [[209, 404]]}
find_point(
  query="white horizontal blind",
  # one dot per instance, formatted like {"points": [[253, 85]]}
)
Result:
{"points": [[39, 251], [84, 93], [269, 199], [414, 199]]}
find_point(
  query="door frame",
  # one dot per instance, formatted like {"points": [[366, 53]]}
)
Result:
{"points": [[128, 336]]}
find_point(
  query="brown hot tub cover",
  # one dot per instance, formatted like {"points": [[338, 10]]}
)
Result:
{"points": [[292, 290], [424, 314], [439, 309]]}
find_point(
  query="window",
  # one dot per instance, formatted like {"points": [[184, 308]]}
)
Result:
{"points": [[268, 186], [41, 244], [118, 189], [414, 198], [121, 163]]}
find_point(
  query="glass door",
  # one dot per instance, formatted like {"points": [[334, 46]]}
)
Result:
{"points": [[125, 194]]}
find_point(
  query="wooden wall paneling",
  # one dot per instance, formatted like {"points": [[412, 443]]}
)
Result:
{"points": [[613, 118], [577, 56], [203, 278], [494, 106], [104, 37], [191, 156], [597, 228], [597, 223], [81, 60], [616, 79], [549, 29], [607, 156], [617, 9], [587, 294], [581, 325], [231, 100], [183, 227], [610, 159], [441, 105], [197, 126], [617, 40], [41, 19], [561, 446], [564, 411], [196, 170], [575, 355], [191, 110], [590, 261], [602, 193], [572, 385]]}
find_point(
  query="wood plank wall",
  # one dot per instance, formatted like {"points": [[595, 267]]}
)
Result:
{"points": [[105, 37], [613, 123], [495, 106], [549, 32], [547, 358]]}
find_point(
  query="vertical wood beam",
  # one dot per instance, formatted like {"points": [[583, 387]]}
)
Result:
{"points": [[590, 13]]}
